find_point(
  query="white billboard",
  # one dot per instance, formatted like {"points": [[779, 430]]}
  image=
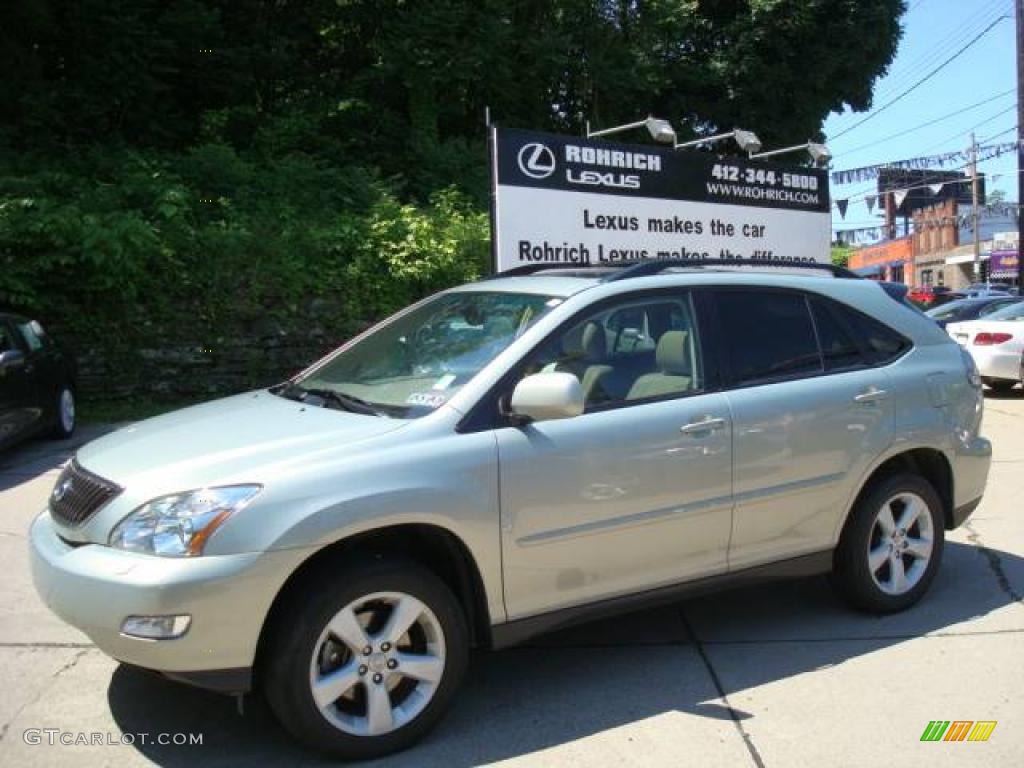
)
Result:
{"points": [[568, 200]]}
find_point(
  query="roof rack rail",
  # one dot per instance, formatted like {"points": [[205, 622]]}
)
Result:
{"points": [[656, 266], [624, 270]]}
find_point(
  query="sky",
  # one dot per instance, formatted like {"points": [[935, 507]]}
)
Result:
{"points": [[933, 30]]}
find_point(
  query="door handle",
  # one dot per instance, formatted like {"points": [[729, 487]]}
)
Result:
{"points": [[871, 395], [706, 424]]}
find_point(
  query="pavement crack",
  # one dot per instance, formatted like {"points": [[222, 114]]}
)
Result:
{"points": [[87, 646], [72, 662], [995, 563], [747, 740]]}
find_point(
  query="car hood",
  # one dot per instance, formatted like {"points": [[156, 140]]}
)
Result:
{"points": [[236, 439]]}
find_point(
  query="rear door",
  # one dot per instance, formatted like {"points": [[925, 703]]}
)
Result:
{"points": [[810, 412]]}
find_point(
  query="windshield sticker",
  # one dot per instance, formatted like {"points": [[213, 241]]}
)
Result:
{"points": [[429, 399], [444, 382]]}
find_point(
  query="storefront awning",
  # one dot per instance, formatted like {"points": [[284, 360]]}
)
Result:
{"points": [[965, 258]]}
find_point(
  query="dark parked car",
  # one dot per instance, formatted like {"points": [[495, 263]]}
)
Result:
{"points": [[968, 309], [37, 382]]}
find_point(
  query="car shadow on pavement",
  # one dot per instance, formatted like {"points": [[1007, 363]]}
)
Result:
{"points": [[1017, 393], [23, 462], [652, 665]]}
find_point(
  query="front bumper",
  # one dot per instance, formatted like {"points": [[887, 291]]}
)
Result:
{"points": [[94, 587]]}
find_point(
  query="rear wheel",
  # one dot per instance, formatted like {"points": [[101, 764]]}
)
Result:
{"points": [[66, 416], [367, 665], [892, 545]]}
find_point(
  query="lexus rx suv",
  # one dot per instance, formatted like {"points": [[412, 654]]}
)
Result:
{"points": [[505, 458]]}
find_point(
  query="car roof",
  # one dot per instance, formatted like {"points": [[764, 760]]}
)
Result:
{"points": [[567, 280]]}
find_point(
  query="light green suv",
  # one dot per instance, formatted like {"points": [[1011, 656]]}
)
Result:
{"points": [[508, 457]]}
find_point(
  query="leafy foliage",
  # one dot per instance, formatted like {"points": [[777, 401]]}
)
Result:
{"points": [[168, 169]]}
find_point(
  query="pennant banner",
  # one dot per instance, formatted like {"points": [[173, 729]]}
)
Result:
{"points": [[960, 157], [871, 200], [842, 205]]}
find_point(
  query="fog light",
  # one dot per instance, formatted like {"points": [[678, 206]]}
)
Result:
{"points": [[156, 627]]}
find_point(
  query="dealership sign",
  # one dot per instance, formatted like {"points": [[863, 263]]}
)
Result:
{"points": [[577, 201]]}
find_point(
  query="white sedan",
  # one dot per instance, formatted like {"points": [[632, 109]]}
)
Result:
{"points": [[996, 342]]}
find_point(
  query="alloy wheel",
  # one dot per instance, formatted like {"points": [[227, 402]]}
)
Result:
{"points": [[901, 543], [377, 664], [67, 410]]}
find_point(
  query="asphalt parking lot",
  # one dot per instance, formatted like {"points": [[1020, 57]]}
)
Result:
{"points": [[776, 675]]}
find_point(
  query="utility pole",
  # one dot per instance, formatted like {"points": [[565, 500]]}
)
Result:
{"points": [[974, 208], [1020, 141]]}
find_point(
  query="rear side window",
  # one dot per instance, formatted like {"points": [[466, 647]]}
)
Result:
{"points": [[880, 343], [839, 348], [850, 339], [768, 335]]}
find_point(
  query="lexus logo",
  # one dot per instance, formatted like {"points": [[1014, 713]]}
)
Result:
{"points": [[62, 489], [536, 161]]}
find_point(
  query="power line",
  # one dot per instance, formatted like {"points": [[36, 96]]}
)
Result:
{"points": [[996, 135], [962, 31], [920, 82], [933, 121], [986, 121]]}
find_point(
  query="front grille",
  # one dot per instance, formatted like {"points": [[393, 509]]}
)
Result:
{"points": [[79, 494]]}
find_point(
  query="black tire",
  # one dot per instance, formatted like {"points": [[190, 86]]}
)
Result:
{"points": [[852, 576], [1000, 385], [285, 664], [60, 430]]}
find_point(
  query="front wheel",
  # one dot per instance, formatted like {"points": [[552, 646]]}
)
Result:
{"points": [[891, 546], [368, 664]]}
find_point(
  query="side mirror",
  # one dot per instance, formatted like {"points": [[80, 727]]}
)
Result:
{"points": [[10, 358], [547, 396]]}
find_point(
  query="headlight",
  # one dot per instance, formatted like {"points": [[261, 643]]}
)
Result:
{"points": [[179, 525]]}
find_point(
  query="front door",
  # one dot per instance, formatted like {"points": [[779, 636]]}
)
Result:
{"points": [[634, 493]]}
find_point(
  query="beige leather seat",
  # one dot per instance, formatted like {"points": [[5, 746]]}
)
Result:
{"points": [[675, 370], [585, 355]]}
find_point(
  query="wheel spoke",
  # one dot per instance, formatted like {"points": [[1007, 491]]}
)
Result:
{"points": [[403, 615], [379, 717], [421, 667], [885, 520], [911, 511], [898, 576], [878, 557], [919, 548], [329, 688], [345, 626]]}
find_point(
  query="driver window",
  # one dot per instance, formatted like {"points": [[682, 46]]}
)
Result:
{"points": [[6, 340], [639, 350]]}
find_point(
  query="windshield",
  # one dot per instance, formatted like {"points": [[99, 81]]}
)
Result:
{"points": [[1012, 312], [418, 361]]}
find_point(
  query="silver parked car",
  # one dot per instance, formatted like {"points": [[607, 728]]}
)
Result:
{"points": [[506, 458]]}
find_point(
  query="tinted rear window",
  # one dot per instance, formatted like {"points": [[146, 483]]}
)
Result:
{"points": [[769, 335]]}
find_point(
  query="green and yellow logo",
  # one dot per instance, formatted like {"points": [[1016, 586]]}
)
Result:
{"points": [[958, 730]]}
